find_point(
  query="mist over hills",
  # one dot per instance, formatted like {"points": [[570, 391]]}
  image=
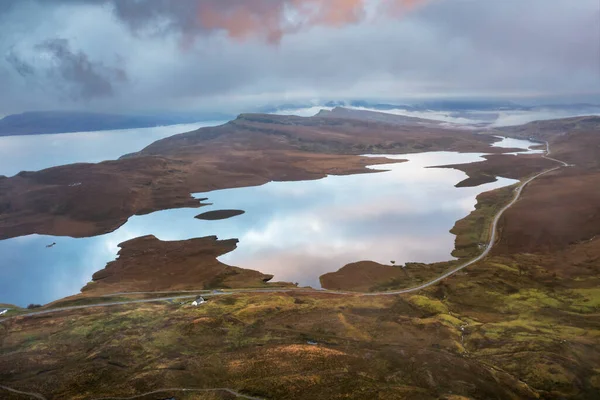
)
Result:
{"points": [[474, 112], [477, 113], [437, 105]]}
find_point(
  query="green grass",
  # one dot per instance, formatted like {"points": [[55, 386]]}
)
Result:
{"points": [[587, 300], [474, 229], [84, 301], [6, 305], [531, 299], [415, 274], [428, 305], [522, 332], [450, 320]]}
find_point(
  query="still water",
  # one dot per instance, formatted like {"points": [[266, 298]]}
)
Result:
{"points": [[296, 231], [36, 152], [509, 143]]}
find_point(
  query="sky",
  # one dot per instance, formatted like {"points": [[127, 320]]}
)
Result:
{"points": [[236, 55]]}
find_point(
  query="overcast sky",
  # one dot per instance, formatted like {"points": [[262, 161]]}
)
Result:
{"points": [[232, 55]]}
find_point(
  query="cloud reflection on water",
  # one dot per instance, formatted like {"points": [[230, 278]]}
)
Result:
{"points": [[294, 230]]}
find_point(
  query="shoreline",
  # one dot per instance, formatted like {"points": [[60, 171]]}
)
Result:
{"points": [[424, 267]]}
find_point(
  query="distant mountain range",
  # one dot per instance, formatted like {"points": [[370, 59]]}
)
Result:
{"points": [[51, 122], [456, 106], [43, 122]]}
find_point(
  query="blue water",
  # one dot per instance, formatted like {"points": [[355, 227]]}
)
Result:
{"points": [[35, 152], [296, 231]]}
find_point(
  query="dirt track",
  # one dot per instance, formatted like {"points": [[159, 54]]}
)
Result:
{"points": [[215, 390]]}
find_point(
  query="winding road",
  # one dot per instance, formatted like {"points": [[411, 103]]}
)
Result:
{"points": [[518, 190], [30, 394], [493, 229], [216, 390], [159, 391], [494, 233]]}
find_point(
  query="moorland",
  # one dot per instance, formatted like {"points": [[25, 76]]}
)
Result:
{"points": [[523, 322]]}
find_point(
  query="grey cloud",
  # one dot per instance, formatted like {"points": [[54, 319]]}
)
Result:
{"points": [[508, 48], [88, 79], [23, 68], [72, 73], [240, 19], [159, 16]]}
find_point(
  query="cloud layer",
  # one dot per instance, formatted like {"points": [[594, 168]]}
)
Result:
{"points": [[233, 55]]}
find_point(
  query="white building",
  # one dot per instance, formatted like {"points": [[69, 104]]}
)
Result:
{"points": [[198, 301]]}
